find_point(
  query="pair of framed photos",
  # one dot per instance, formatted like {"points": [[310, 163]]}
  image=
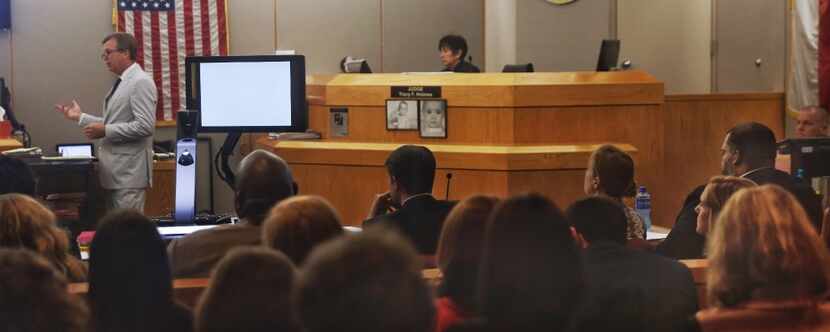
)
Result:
{"points": [[428, 116]]}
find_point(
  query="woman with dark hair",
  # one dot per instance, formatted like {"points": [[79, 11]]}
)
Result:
{"points": [[610, 173], [531, 275], [458, 256], [130, 287], [25, 223], [251, 290], [768, 269], [33, 296]]}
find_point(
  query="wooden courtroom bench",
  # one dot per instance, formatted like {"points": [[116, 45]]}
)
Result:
{"points": [[698, 268]]}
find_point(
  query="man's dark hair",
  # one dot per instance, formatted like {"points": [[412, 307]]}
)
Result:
{"points": [[413, 167], [454, 43], [599, 219], [264, 180], [369, 282], [615, 170], [754, 142], [16, 177], [124, 42]]}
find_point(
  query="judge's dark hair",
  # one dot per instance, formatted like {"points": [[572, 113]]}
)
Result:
{"points": [[264, 180], [124, 42], [531, 270], [615, 170], [34, 295], [754, 142], [251, 290], [130, 286], [16, 177], [370, 282], [599, 219], [413, 167], [454, 43]]}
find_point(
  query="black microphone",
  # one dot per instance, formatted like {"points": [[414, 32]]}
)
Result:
{"points": [[449, 177]]}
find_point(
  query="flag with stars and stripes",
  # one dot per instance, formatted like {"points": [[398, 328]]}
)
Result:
{"points": [[167, 31]]}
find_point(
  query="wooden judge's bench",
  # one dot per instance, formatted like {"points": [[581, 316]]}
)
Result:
{"points": [[507, 133]]}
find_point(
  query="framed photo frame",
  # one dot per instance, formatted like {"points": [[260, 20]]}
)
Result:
{"points": [[432, 118], [402, 114]]}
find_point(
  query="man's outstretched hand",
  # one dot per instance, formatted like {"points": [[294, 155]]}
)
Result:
{"points": [[70, 112]]}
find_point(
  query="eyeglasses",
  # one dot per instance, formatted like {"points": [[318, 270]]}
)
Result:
{"points": [[109, 51]]}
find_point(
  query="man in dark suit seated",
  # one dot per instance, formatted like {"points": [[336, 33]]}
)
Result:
{"points": [[264, 180], [626, 289], [409, 206], [748, 151]]}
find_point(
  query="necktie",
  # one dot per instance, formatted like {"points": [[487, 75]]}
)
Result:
{"points": [[112, 92]]}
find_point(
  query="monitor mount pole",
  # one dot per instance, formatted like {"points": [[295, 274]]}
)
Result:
{"points": [[225, 172]]}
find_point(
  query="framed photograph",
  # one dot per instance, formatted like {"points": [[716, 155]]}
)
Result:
{"points": [[339, 122], [432, 116], [401, 114]]}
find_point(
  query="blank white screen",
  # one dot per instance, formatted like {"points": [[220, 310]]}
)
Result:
{"points": [[75, 151], [245, 94]]}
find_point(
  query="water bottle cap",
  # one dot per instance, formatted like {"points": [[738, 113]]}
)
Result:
{"points": [[642, 189]]}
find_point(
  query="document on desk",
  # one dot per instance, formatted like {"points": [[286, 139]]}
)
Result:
{"points": [[656, 236]]}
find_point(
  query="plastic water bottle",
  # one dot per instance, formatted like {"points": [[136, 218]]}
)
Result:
{"points": [[642, 204]]}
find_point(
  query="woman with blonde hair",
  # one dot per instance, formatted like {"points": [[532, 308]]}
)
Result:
{"points": [[768, 269], [714, 197], [27, 224], [298, 224]]}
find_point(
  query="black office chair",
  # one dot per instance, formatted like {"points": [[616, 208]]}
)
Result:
{"points": [[353, 65], [518, 68]]}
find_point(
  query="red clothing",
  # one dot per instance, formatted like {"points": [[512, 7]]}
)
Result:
{"points": [[447, 314]]}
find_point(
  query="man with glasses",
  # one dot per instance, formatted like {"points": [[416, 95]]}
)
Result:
{"points": [[126, 128]]}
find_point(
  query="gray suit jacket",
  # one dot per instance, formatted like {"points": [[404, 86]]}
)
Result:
{"points": [[125, 153]]}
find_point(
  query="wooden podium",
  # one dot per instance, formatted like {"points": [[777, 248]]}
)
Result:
{"points": [[507, 133]]}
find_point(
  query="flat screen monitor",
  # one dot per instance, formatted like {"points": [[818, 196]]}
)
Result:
{"points": [[264, 93], [609, 53]]}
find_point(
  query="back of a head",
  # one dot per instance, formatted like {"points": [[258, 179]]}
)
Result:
{"points": [[599, 219], [16, 177], [455, 43], [370, 282], [460, 246], [413, 167], [33, 296], [615, 170], [531, 273], [755, 142], [264, 179], [298, 224], [26, 223], [763, 247], [250, 290], [129, 275]]}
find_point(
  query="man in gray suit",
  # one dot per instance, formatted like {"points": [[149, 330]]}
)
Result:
{"points": [[126, 129]]}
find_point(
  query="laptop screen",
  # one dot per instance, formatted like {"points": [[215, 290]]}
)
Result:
{"points": [[75, 150]]}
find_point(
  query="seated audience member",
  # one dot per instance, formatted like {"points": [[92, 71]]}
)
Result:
{"points": [[298, 224], [748, 151], [33, 296], [369, 282], [130, 287], [16, 177], [453, 50], [251, 290], [812, 122], [408, 206], [610, 173], [264, 179], [715, 195], [531, 276], [459, 254], [27, 224], [768, 270], [626, 289]]}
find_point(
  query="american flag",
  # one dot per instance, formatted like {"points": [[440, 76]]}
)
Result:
{"points": [[167, 31]]}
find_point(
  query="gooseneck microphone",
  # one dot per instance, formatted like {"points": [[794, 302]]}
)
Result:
{"points": [[449, 178]]}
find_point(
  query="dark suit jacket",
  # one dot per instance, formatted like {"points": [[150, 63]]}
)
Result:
{"points": [[629, 289], [420, 220], [464, 67], [683, 241]]}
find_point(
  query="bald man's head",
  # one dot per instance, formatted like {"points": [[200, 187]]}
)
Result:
{"points": [[812, 121], [264, 179]]}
